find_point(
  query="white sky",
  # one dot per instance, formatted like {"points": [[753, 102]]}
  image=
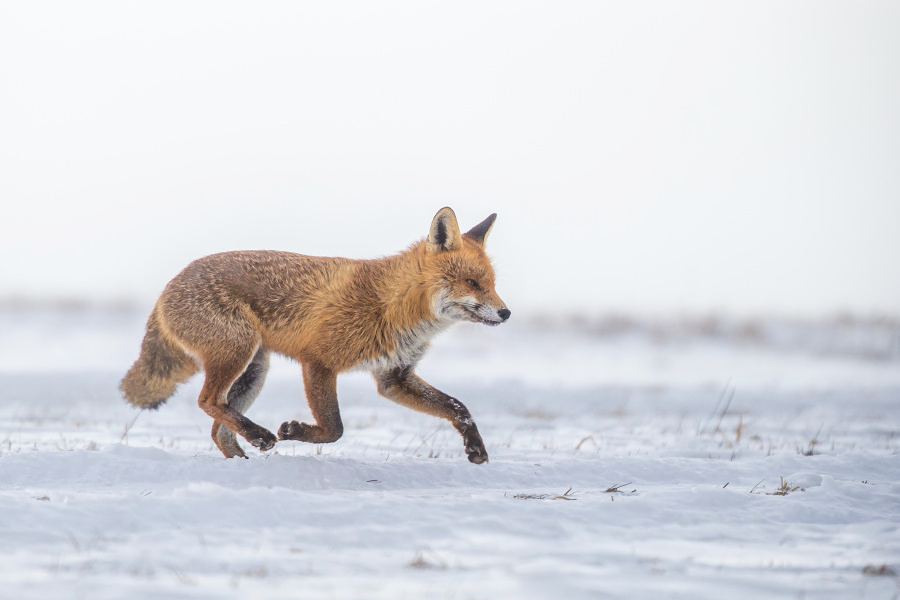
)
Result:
{"points": [[739, 157]]}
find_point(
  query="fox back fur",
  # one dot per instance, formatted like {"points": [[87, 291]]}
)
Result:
{"points": [[226, 313]]}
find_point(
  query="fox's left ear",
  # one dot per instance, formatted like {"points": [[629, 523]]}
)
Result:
{"points": [[444, 233], [480, 232]]}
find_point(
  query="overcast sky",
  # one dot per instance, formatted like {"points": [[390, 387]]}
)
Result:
{"points": [[643, 157]]}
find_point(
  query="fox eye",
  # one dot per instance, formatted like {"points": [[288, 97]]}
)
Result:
{"points": [[473, 283]]}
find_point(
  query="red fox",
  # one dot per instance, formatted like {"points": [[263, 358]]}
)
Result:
{"points": [[227, 312]]}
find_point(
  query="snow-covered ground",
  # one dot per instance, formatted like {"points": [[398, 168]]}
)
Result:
{"points": [[702, 459]]}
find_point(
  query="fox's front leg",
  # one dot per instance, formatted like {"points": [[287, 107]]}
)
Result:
{"points": [[320, 384], [405, 387]]}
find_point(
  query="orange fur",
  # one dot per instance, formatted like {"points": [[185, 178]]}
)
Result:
{"points": [[226, 312]]}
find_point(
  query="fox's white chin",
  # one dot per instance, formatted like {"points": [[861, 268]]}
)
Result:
{"points": [[481, 314]]}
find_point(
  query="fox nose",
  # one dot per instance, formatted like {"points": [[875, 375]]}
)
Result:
{"points": [[504, 313]]}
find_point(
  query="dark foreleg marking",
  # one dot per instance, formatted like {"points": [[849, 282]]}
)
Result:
{"points": [[405, 387]]}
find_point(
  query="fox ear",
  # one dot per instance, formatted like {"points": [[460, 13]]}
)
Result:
{"points": [[480, 232], [444, 234]]}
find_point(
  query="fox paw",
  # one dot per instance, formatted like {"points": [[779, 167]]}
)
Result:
{"points": [[293, 431], [476, 452], [263, 439]]}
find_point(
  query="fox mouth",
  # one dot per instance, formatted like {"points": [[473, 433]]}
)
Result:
{"points": [[474, 316]]}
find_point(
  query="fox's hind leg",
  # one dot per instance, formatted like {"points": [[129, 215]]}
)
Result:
{"points": [[405, 387], [240, 397], [224, 365]]}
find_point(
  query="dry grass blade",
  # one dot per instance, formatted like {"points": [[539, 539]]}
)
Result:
{"points": [[702, 429], [785, 488], [616, 488], [128, 427], [589, 438], [567, 495]]}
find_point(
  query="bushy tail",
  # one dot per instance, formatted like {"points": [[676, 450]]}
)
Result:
{"points": [[158, 370]]}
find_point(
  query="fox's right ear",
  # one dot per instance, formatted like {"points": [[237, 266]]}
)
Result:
{"points": [[444, 233]]}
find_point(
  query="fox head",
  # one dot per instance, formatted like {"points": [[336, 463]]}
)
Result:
{"points": [[461, 271]]}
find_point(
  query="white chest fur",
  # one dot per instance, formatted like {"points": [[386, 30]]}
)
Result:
{"points": [[409, 346]]}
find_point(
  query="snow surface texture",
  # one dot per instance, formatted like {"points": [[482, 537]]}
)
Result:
{"points": [[627, 460]]}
